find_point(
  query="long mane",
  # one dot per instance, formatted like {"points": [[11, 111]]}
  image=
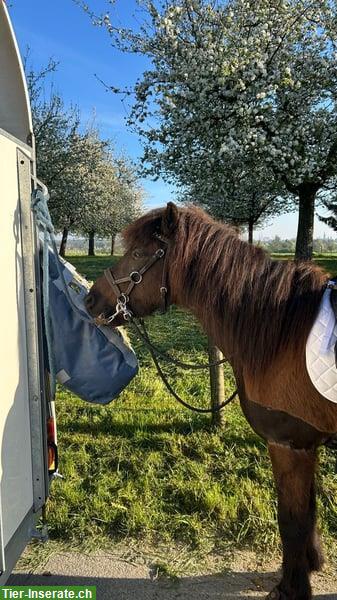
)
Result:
{"points": [[263, 305]]}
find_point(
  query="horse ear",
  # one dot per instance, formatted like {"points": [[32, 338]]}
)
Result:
{"points": [[170, 219]]}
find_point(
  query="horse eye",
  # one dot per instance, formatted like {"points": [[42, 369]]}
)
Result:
{"points": [[137, 254]]}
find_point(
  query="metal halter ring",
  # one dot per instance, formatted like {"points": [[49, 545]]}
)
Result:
{"points": [[122, 300], [138, 279]]}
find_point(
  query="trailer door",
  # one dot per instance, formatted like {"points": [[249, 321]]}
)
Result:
{"points": [[23, 463]]}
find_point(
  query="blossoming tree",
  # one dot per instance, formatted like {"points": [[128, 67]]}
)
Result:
{"points": [[236, 195], [254, 81], [112, 197], [92, 189]]}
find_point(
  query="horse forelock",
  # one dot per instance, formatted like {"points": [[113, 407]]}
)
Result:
{"points": [[143, 229]]}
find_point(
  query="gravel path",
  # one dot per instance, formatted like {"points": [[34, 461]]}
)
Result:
{"points": [[120, 579]]}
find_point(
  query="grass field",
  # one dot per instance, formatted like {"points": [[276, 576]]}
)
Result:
{"points": [[144, 468]]}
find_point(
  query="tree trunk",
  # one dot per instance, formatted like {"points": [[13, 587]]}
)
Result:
{"points": [[305, 229], [64, 240], [250, 231], [217, 384], [91, 248], [113, 237]]}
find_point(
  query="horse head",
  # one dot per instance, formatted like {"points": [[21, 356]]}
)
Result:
{"points": [[139, 283]]}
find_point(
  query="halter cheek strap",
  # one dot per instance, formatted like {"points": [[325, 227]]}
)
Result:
{"points": [[135, 278]]}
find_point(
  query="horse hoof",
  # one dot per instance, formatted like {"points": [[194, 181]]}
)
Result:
{"points": [[276, 594]]}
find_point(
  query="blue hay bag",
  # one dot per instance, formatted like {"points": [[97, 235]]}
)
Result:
{"points": [[92, 361]]}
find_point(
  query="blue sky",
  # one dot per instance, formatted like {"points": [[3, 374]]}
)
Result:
{"points": [[59, 29]]}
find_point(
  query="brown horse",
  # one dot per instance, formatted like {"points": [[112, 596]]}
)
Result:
{"points": [[259, 312]]}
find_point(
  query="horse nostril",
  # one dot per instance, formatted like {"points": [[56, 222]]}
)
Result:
{"points": [[89, 301]]}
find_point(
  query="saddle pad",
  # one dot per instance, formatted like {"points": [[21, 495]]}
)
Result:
{"points": [[320, 353]]}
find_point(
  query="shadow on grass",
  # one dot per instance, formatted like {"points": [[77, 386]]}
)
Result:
{"points": [[176, 426]]}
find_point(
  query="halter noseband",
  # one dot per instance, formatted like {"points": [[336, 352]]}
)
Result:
{"points": [[135, 278]]}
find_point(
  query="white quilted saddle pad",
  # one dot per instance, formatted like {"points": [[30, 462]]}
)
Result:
{"points": [[320, 355]]}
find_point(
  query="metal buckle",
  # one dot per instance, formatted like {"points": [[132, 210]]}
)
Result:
{"points": [[160, 252], [122, 300], [132, 274], [121, 308]]}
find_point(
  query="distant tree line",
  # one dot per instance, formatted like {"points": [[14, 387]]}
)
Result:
{"points": [[280, 246], [93, 191]]}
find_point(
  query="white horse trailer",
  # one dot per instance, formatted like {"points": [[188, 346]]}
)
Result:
{"points": [[26, 412]]}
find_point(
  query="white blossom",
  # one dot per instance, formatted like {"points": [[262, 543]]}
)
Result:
{"points": [[252, 82]]}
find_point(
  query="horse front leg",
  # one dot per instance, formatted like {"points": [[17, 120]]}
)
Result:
{"points": [[294, 473], [314, 549]]}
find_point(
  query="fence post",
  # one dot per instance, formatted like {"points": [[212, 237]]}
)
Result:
{"points": [[217, 384]]}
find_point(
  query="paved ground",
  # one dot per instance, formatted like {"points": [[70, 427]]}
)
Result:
{"points": [[120, 579]]}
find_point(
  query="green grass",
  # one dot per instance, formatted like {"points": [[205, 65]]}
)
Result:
{"points": [[145, 468], [91, 266], [326, 261]]}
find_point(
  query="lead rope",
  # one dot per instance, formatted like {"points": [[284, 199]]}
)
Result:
{"points": [[167, 357], [171, 390]]}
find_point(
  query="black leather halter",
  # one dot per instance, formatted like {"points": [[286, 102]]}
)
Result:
{"points": [[135, 278]]}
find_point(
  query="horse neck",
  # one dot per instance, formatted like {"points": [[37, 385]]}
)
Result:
{"points": [[252, 307], [206, 286]]}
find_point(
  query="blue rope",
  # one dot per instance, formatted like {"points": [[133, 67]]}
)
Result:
{"points": [[40, 208]]}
